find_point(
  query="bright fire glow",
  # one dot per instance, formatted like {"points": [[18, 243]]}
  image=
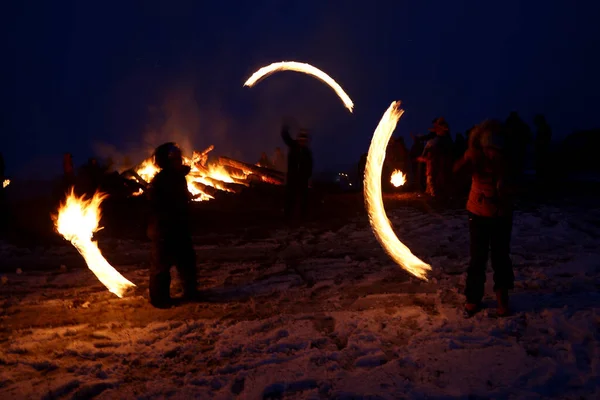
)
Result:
{"points": [[210, 176], [305, 69], [77, 220], [5, 183], [382, 228], [398, 178]]}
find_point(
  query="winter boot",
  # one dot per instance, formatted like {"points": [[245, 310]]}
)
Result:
{"points": [[502, 297], [471, 309]]}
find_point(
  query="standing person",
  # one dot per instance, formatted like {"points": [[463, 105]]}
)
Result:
{"points": [[490, 215], [169, 227], [437, 157], [299, 171]]}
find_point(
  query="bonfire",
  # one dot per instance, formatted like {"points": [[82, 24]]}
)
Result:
{"points": [[398, 178], [208, 178]]}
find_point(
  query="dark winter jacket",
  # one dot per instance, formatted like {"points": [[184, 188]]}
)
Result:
{"points": [[169, 200], [300, 160]]}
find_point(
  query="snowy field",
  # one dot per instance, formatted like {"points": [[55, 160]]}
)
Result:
{"points": [[313, 314]]}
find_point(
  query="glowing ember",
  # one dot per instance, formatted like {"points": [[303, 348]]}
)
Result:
{"points": [[304, 68], [5, 183], [380, 224], [398, 178], [77, 220]]}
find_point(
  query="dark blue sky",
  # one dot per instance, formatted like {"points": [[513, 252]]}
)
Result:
{"points": [[121, 77]]}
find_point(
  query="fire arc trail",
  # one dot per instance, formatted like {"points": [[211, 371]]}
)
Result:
{"points": [[382, 228], [305, 69]]}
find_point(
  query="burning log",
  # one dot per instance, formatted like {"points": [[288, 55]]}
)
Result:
{"points": [[221, 185], [201, 157], [201, 192], [266, 174], [136, 178]]}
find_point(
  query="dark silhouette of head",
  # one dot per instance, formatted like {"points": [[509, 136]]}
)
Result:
{"points": [[488, 136], [168, 156], [440, 126]]}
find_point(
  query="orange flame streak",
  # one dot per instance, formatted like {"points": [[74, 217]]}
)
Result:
{"points": [[305, 69], [77, 221], [5, 183], [382, 228]]}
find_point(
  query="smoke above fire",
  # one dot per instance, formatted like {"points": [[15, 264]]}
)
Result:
{"points": [[239, 124]]}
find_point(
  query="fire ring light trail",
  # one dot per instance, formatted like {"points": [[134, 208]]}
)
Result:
{"points": [[305, 69], [382, 228], [77, 220]]}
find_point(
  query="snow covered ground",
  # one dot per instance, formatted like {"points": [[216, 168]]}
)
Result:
{"points": [[313, 314]]}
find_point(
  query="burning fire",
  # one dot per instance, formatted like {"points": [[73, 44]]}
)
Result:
{"points": [[380, 224], [5, 183], [305, 69], [398, 178], [205, 179], [213, 175], [77, 221]]}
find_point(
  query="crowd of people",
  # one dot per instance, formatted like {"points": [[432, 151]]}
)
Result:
{"points": [[485, 162], [429, 162]]}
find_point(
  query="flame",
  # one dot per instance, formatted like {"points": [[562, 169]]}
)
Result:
{"points": [[380, 224], [147, 169], [5, 183], [219, 173], [398, 178], [77, 221], [305, 69]]}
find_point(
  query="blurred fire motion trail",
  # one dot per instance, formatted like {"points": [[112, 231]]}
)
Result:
{"points": [[382, 228], [77, 221], [305, 69]]}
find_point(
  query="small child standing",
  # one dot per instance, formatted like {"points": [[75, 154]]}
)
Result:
{"points": [[169, 227], [490, 216]]}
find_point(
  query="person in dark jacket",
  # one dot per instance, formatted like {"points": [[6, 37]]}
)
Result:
{"points": [[169, 227], [299, 171], [490, 215], [438, 158]]}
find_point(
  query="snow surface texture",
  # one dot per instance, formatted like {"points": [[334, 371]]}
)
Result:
{"points": [[311, 314]]}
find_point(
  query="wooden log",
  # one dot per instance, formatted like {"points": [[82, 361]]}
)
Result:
{"points": [[203, 171], [208, 190], [226, 186], [136, 177], [201, 157], [266, 173]]}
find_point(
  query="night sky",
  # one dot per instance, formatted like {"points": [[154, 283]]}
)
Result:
{"points": [[118, 78]]}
